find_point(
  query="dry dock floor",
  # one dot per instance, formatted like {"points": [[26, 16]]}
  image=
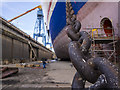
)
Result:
{"points": [[58, 76]]}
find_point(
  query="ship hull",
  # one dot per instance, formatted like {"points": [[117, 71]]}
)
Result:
{"points": [[90, 15]]}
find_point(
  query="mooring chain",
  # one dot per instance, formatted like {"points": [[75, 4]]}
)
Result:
{"points": [[98, 71]]}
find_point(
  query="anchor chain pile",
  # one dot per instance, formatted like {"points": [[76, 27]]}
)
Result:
{"points": [[99, 71]]}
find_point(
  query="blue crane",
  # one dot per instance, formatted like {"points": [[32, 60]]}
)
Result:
{"points": [[39, 29]]}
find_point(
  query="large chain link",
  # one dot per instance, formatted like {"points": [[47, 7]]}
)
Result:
{"points": [[98, 71]]}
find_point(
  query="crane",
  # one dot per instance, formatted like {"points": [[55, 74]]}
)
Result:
{"points": [[39, 30], [25, 13]]}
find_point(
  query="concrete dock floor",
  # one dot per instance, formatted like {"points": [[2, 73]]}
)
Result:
{"points": [[58, 76]]}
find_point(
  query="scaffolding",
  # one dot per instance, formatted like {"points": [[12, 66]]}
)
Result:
{"points": [[103, 44]]}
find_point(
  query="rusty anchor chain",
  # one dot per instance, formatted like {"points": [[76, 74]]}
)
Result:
{"points": [[98, 71]]}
